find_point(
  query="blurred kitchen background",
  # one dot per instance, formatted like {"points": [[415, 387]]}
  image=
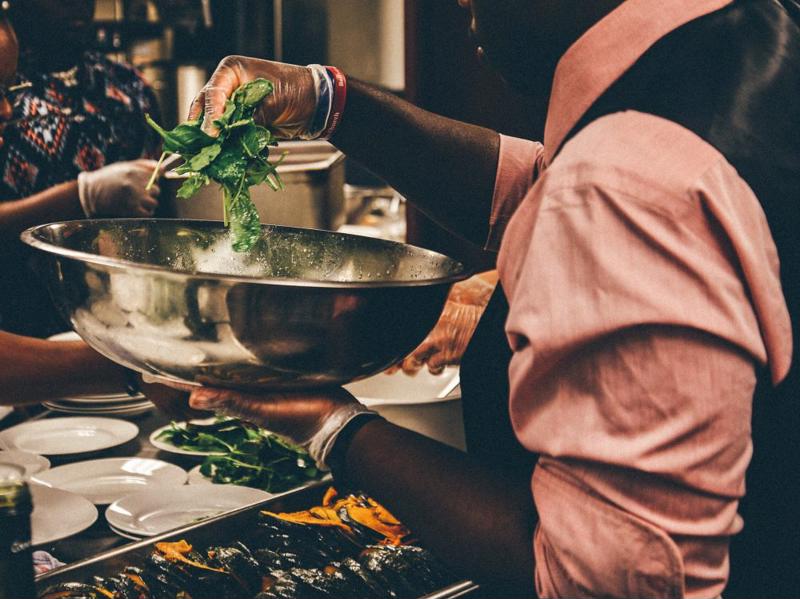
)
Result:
{"points": [[417, 49]]}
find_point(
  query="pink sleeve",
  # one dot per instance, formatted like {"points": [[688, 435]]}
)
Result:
{"points": [[520, 163]]}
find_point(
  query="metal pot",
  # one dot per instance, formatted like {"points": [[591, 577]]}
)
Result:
{"points": [[313, 194], [304, 308]]}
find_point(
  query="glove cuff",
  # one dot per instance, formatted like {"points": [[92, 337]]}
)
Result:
{"points": [[84, 195], [330, 85], [323, 87], [339, 101], [320, 445]]}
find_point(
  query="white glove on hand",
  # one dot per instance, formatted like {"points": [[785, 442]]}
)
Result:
{"points": [[447, 342], [119, 190], [288, 111]]}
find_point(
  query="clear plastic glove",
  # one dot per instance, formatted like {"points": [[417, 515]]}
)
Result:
{"points": [[119, 190], [311, 419], [287, 111], [447, 342]]}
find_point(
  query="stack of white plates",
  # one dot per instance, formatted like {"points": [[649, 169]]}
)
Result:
{"points": [[118, 404]]}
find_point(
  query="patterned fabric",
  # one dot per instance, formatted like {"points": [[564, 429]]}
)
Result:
{"points": [[73, 121]]}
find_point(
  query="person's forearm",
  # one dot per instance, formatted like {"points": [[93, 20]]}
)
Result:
{"points": [[59, 202], [35, 370], [479, 519], [446, 167]]}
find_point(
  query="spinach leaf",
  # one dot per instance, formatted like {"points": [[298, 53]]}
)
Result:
{"points": [[186, 138], [204, 157], [253, 92], [191, 186], [244, 222], [236, 159], [223, 120]]}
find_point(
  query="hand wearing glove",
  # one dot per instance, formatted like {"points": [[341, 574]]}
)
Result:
{"points": [[119, 190], [311, 419], [447, 342], [298, 107]]}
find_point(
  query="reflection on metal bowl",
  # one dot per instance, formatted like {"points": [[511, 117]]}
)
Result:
{"points": [[304, 308]]}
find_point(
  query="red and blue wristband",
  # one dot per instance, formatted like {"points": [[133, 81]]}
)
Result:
{"points": [[339, 100]]}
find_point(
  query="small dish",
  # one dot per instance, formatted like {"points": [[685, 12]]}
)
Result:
{"points": [[398, 388], [169, 447], [198, 478], [104, 481], [132, 408], [123, 534], [58, 514], [64, 436], [151, 512], [30, 463]]}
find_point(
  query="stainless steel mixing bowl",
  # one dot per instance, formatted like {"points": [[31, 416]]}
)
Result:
{"points": [[303, 309]]}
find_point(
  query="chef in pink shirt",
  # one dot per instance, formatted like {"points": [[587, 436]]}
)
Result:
{"points": [[649, 281]]}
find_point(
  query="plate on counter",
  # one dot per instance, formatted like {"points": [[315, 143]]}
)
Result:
{"points": [[64, 436], [104, 481], [198, 478], [123, 534], [399, 388], [58, 514], [151, 512], [129, 407], [165, 445], [30, 463]]}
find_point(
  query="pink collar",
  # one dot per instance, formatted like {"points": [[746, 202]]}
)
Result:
{"points": [[601, 55]]}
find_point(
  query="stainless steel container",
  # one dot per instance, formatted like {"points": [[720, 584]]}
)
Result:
{"points": [[302, 309], [313, 175], [213, 531]]}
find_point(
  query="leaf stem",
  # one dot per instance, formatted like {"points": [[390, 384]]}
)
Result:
{"points": [[152, 180], [225, 202]]}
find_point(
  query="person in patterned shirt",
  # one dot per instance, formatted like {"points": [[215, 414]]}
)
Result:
{"points": [[76, 146], [37, 369]]}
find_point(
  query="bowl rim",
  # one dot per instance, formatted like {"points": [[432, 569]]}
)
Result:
{"points": [[29, 237]]}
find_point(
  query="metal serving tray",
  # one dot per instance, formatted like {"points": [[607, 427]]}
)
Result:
{"points": [[215, 530]]}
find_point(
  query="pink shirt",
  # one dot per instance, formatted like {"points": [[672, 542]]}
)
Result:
{"points": [[644, 289]]}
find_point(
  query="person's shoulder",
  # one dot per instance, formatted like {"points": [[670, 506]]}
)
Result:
{"points": [[636, 153]]}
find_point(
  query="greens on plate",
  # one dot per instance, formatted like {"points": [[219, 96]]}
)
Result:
{"points": [[244, 454]]}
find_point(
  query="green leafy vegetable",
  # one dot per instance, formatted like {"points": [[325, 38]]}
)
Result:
{"points": [[237, 159], [249, 456]]}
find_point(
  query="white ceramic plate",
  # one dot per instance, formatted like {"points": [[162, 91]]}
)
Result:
{"points": [[29, 462], [11, 472], [105, 481], [5, 411], [158, 510], [100, 400], [66, 336], [166, 446], [132, 409], [399, 388], [63, 436], [198, 478], [124, 535], [58, 514]]}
